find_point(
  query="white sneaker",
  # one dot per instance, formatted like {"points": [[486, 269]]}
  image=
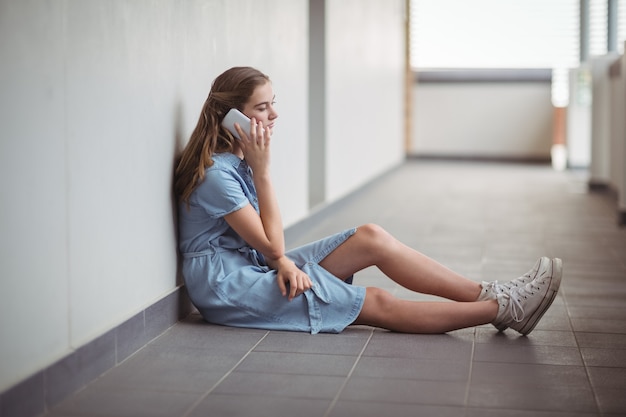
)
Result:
{"points": [[490, 290], [542, 267], [521, 308]]}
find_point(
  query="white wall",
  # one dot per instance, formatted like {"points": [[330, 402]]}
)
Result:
{"points": [[578, 124], [600, 139], [618, 135], [97, 99], [511, 120], [364, 91], [34, 224]]}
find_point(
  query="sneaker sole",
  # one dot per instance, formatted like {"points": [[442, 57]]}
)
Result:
{"points": [[555, 283]]}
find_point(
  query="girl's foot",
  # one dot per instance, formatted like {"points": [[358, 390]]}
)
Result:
{"points": [[521, 307], [490, 290]]}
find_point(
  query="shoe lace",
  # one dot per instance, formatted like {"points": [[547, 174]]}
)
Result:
{"points": [[528, 276], [495, 287], [516, 294]]}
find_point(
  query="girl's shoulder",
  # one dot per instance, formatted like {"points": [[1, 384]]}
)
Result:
{"points": [[222, 188], [226, 167], [224, 160]]}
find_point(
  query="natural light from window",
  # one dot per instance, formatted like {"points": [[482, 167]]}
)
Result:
{"points": [[461, 34]]}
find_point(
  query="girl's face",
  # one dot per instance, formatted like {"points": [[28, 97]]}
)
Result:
{"points": [[261, 106]]}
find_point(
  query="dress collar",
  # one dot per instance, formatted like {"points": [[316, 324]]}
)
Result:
{"points": [[230, 158]]}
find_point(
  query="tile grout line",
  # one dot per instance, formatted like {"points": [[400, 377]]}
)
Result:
{"points": [[226, 375], [563, 295], [471, 369], [345, 382]]}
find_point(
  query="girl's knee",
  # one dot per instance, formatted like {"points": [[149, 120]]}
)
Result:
{"points": [[375, 234], [375, 242], [377, 309], [383, 298], [371, 229], [379, 302]]}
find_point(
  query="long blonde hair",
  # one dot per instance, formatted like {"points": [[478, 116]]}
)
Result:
{"points": [[232, 89]]}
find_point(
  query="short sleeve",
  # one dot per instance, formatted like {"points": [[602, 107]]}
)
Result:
{"points": [[221, 193]]}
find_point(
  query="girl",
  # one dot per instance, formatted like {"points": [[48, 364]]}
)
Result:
{"points": [[238, 273]]}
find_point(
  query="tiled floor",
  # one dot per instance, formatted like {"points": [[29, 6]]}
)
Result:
{"points": [[487, 221]]}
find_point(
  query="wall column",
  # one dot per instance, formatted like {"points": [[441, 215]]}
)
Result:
{"points": [[317, 102]]}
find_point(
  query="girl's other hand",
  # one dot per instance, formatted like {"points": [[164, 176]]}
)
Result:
{"points": [[292, 281]]}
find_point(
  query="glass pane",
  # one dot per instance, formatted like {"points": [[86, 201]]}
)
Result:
{"points": [[494, 33]]}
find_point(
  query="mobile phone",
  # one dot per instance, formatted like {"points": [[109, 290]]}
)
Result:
{"points": [[235, 116]]}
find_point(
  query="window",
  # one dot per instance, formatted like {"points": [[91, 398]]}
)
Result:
{"points": [[461, 34], [494, 33], [598, 27], [621, 26]]}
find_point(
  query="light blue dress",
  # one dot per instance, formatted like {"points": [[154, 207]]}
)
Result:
{"points": [[230, 283]]}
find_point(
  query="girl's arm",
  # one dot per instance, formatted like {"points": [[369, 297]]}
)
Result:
{"points": [[264, 232], [248, 224]]}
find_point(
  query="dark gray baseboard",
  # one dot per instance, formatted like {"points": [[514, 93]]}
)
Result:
{"points": [[484, 75], [507, 159], [38, 393]]}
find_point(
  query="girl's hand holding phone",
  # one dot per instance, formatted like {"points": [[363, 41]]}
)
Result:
{"points": [[255, 145]]}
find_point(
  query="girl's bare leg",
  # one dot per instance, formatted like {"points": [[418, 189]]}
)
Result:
{"points": [[381, 309], [373, 246]]}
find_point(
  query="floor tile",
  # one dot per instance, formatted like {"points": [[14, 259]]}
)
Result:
{"points": [[500, 412], [281, 385], [96, 401], [601, 340], [520, 375], [545, 355], [602, 378], [537, 338], [406, 368], [405, 391], [547, 398], [297, 363], [165, 368], [604, 357], [350, 342], [379, 409], [599, 325], [444, 347], [210, 338], [222, 405], [598, 312], [612, 401]]}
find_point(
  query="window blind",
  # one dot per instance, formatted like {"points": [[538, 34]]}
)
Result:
{"points": [[598, 27], [621, 25]]}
